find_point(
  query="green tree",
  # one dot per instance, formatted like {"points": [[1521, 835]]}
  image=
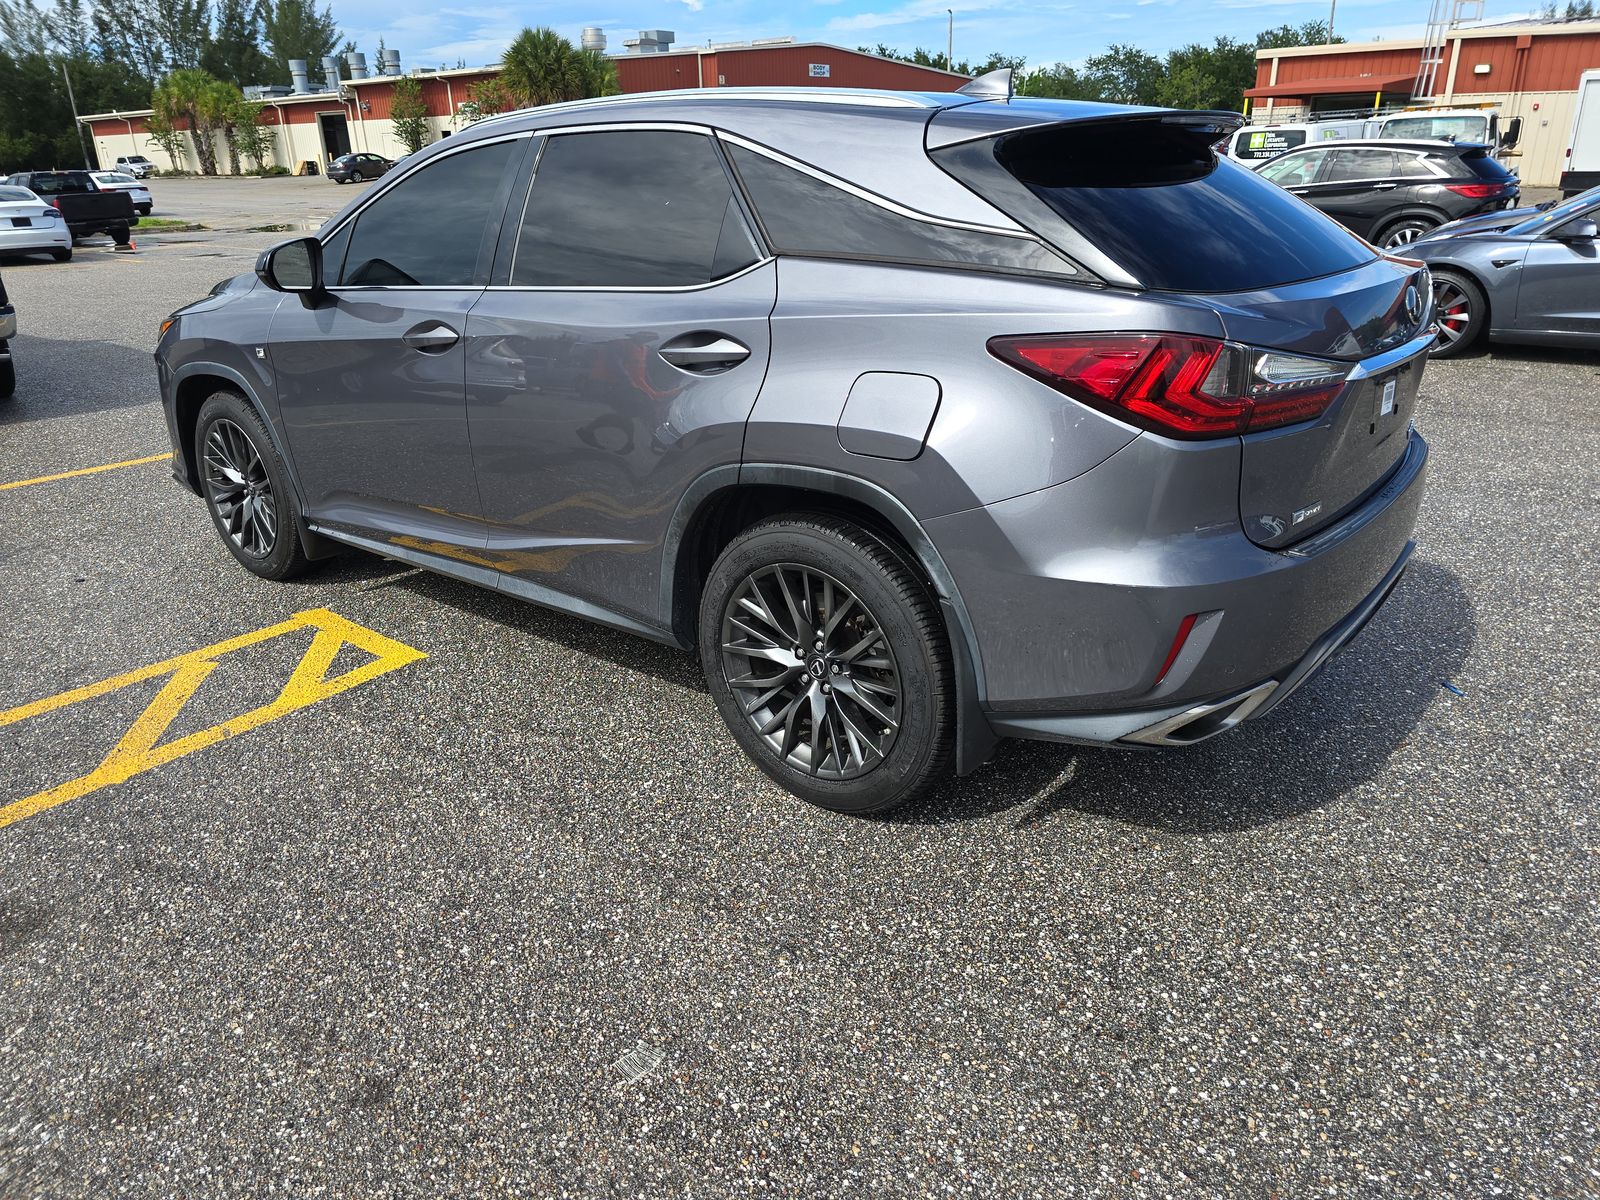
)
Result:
{"points": [[1058, 82], [484, 99], [1125, 74], [297, 29], [1312, 33], [190, 97], [410, 114], [234, 53], [168, 137], [542, 67]]}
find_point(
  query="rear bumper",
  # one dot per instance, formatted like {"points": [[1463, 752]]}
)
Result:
{"points": [[1073, 636], [35, 239]]}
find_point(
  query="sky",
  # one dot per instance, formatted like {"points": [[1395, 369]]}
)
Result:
{"points": [[429, 33]]}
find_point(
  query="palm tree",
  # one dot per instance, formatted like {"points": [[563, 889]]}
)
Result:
{"points": [[542, 67]]}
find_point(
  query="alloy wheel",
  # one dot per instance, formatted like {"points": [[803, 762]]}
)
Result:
{"points": [[1454, 311], [812, 670], [239, 489], [1403, 236]]}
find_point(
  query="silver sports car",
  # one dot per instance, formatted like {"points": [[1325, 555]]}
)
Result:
{"points": [[1525, 275]]}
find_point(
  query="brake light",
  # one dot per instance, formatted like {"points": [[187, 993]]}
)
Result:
{"points": [[1477, 191], [1176, 385]]}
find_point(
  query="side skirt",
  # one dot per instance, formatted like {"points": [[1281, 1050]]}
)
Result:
{"points": [[496, 581]]}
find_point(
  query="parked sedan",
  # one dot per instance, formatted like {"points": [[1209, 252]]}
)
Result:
{"points": [[892, 404], [30, 226], [116, 181], [1393, 192], [353, 168], [1536, 282]]}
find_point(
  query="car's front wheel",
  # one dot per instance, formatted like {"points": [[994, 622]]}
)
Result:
{"points": [[1461, 309], [357, 177], [1405, 231], [826, 656], [247, 488], [8, 377]]}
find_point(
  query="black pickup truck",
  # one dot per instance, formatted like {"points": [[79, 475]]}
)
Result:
{"points": [[83, 206]]}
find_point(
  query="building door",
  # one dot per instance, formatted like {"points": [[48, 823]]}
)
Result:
{"points": [[335, 135]]}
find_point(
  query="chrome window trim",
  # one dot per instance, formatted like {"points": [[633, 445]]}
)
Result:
{"points": [[704, 131], [861, 193]]}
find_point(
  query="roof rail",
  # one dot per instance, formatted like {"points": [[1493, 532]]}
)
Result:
{"points": [[991, 85]]}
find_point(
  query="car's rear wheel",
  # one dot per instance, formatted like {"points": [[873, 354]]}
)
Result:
{"points": [[247, 488], [1405, 231], [827, 658], [144, 210], [1461, 309], [62, 255]]}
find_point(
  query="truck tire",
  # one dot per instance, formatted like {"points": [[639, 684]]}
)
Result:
{"points": [[8, 377], [119, 234]]}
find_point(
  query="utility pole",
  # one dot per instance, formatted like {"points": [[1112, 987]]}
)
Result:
{"points": [[76, 124], [1333, 6], [950, 42]]}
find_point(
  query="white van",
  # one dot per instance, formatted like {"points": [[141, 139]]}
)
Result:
{"points": [[1582, 169], [1257, 143]]}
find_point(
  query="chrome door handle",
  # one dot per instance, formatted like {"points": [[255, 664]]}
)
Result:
{"points": [[431, 337], [704, 353], [1384, 187]]}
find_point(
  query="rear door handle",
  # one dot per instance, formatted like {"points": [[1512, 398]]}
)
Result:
{"points": [[431, 337], [704, 353], [1383, 187]]}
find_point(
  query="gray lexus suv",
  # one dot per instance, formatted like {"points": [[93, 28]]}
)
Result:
{"points": [[927, 419]]}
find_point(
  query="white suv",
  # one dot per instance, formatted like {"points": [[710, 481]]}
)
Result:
{"points": [[136, 165]]}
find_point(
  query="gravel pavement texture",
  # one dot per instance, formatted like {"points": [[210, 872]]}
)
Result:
{"points": [[517, 919]]}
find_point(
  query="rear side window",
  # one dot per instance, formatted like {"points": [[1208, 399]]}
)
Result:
{"points": [[804, 215], [431, 229], [630, 209], [1153, 198], [1294, 170], [1354, 165]]}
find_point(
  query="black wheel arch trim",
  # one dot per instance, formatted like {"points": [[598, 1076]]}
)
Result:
{"points": [[315, 545], [975, 740]]}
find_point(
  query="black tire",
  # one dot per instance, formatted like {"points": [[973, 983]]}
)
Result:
{"points": [[1461, 309], [119, 234], [1402, 233], [8, 378], [910, 658], [62, 255], [144, 210], [242, 524]]}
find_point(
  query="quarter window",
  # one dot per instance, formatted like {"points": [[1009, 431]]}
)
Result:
{"points": [[630, 208], [804, 215], [431, 229], [1353, 166]]}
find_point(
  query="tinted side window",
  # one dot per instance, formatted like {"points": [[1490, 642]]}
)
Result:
{"points": [[1410, 166], [1297, 171], [1352, 164], [430, 228], [630, 208], [804, 215]]}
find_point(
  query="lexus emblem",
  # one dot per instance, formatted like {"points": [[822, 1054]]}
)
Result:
{"points": [[1413, 303]]}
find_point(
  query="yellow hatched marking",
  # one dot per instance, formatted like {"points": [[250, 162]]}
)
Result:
{"points": [[137, 751], [130, 462]]}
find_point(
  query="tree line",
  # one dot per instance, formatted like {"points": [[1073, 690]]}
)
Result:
{"points": [[115, 52], [1192, 76]]}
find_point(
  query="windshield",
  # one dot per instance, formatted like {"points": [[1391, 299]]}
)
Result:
{"points": [[1473, 127], [1564, 211]]}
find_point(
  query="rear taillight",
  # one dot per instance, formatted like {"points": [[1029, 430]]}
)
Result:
{"points": [[1176, 385], [1477, 191]]}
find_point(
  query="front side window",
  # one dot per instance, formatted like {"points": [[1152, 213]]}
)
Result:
{"points": [[630, 209], [431, 228], [1295, 171], [808, 216]]}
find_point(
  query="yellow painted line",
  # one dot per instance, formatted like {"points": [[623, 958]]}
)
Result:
{"points": [[130, 462], [137, 750]]}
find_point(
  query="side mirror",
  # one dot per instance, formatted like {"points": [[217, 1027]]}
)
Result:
{"points": [[292, 266], [1580, 229], [1512, 135]]}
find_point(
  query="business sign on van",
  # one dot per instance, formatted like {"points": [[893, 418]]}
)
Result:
{"points": [[820, 70], [1269, 143]]}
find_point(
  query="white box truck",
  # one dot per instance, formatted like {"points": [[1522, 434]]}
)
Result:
{"points": [[1582, 169]]}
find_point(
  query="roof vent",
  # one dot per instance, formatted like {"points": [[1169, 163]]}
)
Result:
{"points": [[991, 85]]}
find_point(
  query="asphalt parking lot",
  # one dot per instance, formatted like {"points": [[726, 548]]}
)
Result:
{"points": [[375, 884]]}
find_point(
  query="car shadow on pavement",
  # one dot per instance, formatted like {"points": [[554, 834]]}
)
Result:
{"points": [[1326, 740], [60, 377]]}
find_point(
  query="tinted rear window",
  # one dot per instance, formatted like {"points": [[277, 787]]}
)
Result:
{"points": [[63, 184], [1484, 167], [1155, 199]]}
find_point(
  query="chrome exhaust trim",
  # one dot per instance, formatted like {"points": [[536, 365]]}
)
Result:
{"points": [[1204, 720]]}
